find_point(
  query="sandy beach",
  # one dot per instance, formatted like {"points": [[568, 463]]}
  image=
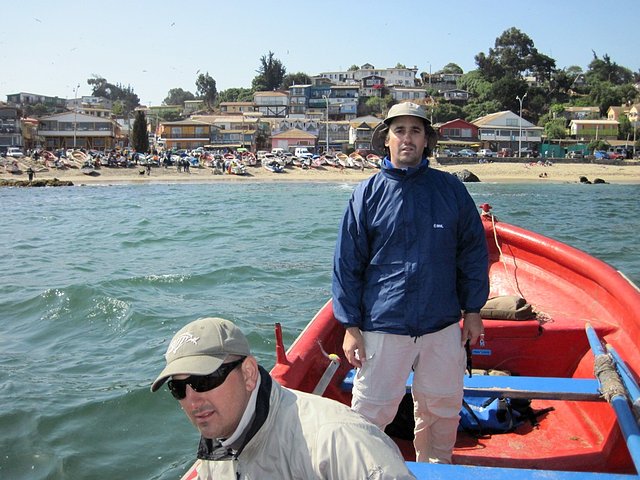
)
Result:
{"points": [[486, 172]]}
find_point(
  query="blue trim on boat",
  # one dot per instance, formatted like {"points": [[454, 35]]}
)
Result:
{"points": [[433, 471], [550, 388]]}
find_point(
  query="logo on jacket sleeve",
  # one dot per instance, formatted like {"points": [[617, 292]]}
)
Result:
{"points": [[438, 225]]}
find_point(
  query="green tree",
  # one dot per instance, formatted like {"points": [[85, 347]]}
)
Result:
{"points": [[177, 96], [604, 70], [445, 111], [475, 83], [114, 92], [474, 110], [139, 136], [235, 95], [374, 105], [506, 89], [604, 95], [270, 74], [299, 78], [353, 68], [597, 145], [451, 68], [625, 129], [37, 110], [555, 129], [206, 89], [514, 54]]}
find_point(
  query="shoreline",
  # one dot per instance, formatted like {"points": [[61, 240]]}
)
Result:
{"points": [[498, 172]]}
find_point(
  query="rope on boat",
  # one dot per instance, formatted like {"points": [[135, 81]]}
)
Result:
{"points": [[614, 392], [515, 286], [606, 373]]}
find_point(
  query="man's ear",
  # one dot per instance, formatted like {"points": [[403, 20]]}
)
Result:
{"points": [[432, 140], [249, 369]]}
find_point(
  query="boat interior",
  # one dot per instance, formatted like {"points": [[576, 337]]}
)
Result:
{"points": [[547, 357]]}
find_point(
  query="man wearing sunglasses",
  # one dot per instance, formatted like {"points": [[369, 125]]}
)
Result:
{"points": [[252, 427]]}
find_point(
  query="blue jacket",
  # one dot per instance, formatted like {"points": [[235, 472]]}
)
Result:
{"points": [[411, 253]]}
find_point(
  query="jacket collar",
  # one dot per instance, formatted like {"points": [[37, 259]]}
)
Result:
{"points": [[211, 449], [409, 171]]}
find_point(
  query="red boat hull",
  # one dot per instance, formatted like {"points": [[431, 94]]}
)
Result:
{"points": [[567, 289]]}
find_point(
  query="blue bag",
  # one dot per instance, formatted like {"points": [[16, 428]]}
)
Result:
{"points": [[480, 415]]}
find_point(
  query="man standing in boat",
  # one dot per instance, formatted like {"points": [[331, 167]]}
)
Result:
{"points": [[252, 427], [410, 261]]}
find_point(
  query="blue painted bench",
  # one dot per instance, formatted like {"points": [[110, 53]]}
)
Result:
{"points": [[547, 388], [432, 471]]}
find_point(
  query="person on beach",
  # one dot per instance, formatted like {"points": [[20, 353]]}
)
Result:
{"points": [[410, 261], [252, 427]]}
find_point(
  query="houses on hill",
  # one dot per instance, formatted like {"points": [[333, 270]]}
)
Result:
{"points": [[321, 115]]}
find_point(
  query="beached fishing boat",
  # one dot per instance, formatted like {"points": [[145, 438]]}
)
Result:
{"points": [[236, 167], [329, 159], [342, 160], [373, 160], [356, 160], [248, 158], [273, 165], [581, 313], [89, 168]]}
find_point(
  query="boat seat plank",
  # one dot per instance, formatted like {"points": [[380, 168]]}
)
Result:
{"points": [[547, 388], [434, 471]]}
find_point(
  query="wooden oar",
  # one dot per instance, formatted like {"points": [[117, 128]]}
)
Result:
{"points": [[614, 392]]}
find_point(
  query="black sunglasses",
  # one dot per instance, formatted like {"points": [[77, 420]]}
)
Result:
{"points": [[202, 383]]}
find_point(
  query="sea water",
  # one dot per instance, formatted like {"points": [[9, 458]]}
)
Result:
{"points": [[95, 280]]}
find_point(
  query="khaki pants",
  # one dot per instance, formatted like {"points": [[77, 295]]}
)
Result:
{"points": [[438, 360]]}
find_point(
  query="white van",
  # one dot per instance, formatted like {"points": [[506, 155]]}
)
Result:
{"points": [[277, 151], [302, 152]]}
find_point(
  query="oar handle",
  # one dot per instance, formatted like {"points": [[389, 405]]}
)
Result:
{"points": [[323, 383]]}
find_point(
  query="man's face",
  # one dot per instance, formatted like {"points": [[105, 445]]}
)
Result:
{"points": [[406, 141], [217, 413]]}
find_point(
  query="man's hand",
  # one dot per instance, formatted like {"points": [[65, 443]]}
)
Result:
{"points": [[472, 328], [353, 341]]}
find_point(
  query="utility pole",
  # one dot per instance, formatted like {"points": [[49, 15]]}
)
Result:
{"points": [[520, 124]]}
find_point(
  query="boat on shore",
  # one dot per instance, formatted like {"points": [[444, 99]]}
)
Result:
{"points": [[342, 160], [575, 357], [356, 160], [273, 165]]}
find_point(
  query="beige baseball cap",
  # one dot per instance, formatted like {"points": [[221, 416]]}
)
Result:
{"points": [[200, 347]]}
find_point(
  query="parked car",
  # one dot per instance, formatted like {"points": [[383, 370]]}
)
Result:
{"points": [[616, 155], [445, 152], [15, 152], [486, 152], [575, 154], [528, 153], [505, 152], [600, 154], [620, 151], [466, 152]]}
